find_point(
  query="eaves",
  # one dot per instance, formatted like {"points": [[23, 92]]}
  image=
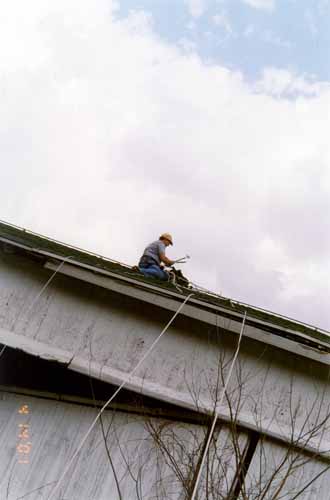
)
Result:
{"points": [[315, 347]]}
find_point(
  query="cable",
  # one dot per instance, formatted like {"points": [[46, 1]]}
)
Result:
{"points": [[69, 463], [47, 283], [193, 495], [2, 350]]}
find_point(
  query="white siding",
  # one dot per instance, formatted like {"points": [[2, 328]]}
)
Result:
{"points": [[227, 449], [275, 473], [106, 334], [152, 457]]}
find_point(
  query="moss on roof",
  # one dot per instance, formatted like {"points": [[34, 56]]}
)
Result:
{"points": [[37, 242]]}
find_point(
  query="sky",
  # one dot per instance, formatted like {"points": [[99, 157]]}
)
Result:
{"points": [[208, 119]]}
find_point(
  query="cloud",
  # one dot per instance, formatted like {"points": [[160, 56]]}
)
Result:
{"points": [[261, 4], [282, 82], [109, 136]]}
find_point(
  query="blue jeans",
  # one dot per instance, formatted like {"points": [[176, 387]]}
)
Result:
{"points": [[154, 271]]}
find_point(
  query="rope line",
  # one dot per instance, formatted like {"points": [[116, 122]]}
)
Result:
{"points": [[193, 495], [129, 376], [37, 297]]}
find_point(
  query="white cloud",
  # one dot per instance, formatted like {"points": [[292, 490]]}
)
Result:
{"points": [[187, 45], [261, 4], [196, 7], [285, 83], [109, 136]]}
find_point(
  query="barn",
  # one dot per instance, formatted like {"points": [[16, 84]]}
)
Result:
{"points": [[114, 386]]}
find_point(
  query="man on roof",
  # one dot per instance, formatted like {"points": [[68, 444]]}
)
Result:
{"points": [[154, 256]]}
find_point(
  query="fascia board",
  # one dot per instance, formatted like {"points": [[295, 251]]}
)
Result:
{"points": [[162, 291], [167, 292], [34, 347], [195, 309], [235, 318]]}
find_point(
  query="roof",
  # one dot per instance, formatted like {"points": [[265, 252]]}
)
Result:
{"points": [[37, 244]]}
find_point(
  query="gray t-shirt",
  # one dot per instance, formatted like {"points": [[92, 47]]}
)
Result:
{"points": [[154, 250]]}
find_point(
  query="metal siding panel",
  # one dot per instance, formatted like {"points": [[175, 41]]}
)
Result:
{"points": [[152, 457], [55, 431], [107, 334], [219, 472], [274, 470]]}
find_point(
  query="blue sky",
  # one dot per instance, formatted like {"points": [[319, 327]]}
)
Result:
{"points": [[290, 34]]}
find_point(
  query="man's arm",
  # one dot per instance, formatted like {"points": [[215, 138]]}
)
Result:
{"points": [[164, 259]]}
